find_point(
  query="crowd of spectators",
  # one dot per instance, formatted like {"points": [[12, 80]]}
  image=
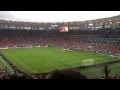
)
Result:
{"points": [[108, 48], [79, 41]]}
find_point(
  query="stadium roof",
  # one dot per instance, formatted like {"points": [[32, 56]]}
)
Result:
{"points": [[55, 16]]}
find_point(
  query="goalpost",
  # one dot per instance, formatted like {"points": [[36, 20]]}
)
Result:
{"points": [[87, 62]]}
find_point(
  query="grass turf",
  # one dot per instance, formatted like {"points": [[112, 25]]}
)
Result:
{"points": [[98, 71], [5, 65], [34, 60], [1, 64]]}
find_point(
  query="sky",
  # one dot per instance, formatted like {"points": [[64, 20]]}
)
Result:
{"points": [[55, 16]]}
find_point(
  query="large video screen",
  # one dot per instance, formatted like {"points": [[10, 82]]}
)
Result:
{"points": [[63, 29]]}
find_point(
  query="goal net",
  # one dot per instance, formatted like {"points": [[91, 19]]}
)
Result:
{"points": [[87, 62]]}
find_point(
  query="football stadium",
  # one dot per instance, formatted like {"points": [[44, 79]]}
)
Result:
{"points": [[87, 49]]}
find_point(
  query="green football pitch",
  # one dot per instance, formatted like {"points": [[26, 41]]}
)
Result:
{"points": [[45, 59]]}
